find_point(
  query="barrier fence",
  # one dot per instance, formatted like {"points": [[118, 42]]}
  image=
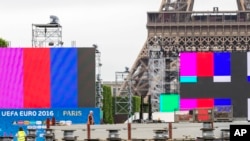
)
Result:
{"points": [[216, 114]]}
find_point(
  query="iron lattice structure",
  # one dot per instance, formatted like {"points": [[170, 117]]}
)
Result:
{"points": [[175, 27], [44, 35]]}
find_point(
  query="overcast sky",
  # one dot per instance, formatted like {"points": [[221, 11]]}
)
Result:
{"points": [[118, 27]]}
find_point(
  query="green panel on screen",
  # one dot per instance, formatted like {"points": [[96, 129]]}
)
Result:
{"points": [[169, 102], [188, 79]]}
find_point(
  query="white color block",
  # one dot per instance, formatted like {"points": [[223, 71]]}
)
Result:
{"points": [[222, 78]]}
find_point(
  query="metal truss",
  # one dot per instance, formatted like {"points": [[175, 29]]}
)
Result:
{"points": [[123, 95], [163, 72], [243, 5], [99, 90], [177, 5], [206, 43], [44, 35], [156, 70], [172, 81]]}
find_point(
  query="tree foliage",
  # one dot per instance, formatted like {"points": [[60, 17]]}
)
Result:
{"points": [[3, 43], [136, 104], [107, 105]]}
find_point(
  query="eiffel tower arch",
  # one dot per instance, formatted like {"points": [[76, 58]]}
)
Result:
{"points": [[175, 28]]}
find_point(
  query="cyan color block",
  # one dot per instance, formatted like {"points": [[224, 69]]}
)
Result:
{"points": [[188, 79]]}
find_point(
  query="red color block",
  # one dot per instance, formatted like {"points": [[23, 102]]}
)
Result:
{"points": [[205, 64], [205, 103], [36, 77]]}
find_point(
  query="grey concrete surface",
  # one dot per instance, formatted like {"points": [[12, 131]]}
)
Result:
{"points": [[142, 131]]}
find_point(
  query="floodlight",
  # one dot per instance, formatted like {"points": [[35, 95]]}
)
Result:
{"points": [[61, 43], [127, 69], [95, 46], [51, 43], [54, 19]]}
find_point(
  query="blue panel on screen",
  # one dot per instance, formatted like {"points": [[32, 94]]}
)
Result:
{"points": [[248, 78], [64, 91], [188, 79], [222, 102], [222, 65]]}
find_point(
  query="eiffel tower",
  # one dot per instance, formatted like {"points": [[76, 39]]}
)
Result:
{"points": [[175, 28]]}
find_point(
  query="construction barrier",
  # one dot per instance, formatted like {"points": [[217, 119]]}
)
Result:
{"points": [[223, 113]]}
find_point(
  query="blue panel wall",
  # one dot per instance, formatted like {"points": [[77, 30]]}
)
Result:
{"points": [[64, 91]]}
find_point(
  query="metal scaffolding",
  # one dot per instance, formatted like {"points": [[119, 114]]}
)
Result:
{"points": [[44, 35], [99, 90], [156, 73], [123, 95], [163, 71], [172, 80]]}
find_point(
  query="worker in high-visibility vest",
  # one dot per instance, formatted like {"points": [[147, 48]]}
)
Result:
{"points": [[21, 135]]}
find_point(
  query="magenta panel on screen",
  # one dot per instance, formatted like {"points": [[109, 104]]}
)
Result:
{"points": [[188, 104], [11, 80], [188, 64]]}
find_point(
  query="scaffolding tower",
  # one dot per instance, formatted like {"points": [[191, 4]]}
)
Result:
{"points": [[44, 35], [99, 90], [123, 95], [163, 71], [156, 73]]}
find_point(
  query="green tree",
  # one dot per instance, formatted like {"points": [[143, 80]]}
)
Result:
{"points": [[136, 104], [107, 105], [3, 43]]}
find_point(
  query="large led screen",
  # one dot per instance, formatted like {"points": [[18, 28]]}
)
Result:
{"points": [[216, 75], [47, 77]]}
